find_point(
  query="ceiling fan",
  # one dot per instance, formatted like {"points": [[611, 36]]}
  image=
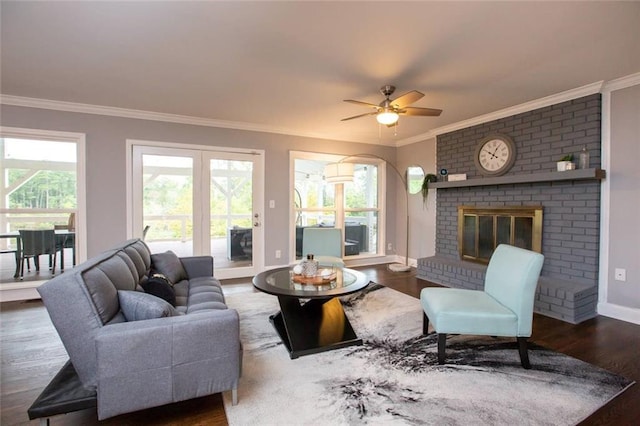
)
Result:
{"points": [[388, 111]]}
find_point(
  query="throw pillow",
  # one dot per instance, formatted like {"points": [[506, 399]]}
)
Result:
{"points": [[159, 286], [138, 306], [169, 265]]}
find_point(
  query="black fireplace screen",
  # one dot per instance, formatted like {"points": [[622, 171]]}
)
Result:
{"points": [[482, 229]]}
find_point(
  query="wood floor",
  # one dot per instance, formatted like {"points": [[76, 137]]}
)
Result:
{"points": [[32, 354]]}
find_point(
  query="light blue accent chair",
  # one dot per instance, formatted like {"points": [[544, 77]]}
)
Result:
{"points": [[504, 308], [325, 244]]}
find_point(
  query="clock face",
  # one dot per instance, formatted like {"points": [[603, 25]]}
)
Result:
{"points": [[495, 155]]}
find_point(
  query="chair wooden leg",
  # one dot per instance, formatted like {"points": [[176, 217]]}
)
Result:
{"points": [[524, 353], [442, 343], [425, 323]]}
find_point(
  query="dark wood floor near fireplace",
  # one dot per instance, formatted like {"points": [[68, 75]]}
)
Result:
{"points": [[32, 354]]}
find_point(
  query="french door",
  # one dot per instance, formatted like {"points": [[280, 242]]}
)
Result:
{"points": [[200, 202]]}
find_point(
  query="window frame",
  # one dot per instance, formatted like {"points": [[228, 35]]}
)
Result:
{"points": [[339, 196], [81, 193]]}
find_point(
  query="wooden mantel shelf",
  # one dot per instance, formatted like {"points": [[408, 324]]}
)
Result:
{"points": [[581, 174]]}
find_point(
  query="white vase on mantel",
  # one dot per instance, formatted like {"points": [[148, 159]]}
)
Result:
{"points": [[565, 165]]}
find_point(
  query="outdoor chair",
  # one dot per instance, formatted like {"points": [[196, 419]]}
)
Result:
{"points": [[68, 240], [145, 231], [504, 308], [36, 243], [13, 252]]}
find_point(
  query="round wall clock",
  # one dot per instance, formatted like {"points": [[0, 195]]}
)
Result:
{"points": [[495, 155]]}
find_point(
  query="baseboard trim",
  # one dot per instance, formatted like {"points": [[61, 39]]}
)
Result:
{"points": [[621, 313], [379, 260]]}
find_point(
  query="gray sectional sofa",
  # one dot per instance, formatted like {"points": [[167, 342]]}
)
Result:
{"points": [[136, 350]]}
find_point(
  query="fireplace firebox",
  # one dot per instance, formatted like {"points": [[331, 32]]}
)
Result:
{"points": [[482, 229]]}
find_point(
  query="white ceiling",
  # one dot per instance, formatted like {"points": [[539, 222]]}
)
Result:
{"points": [[287, 66]]}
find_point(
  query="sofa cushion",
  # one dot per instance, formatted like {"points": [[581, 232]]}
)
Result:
{"points": [[182, 295], [159, 286], [104, 279], [140, 255], [205, 293], [132, 268], [169, 265], [138, 306]]}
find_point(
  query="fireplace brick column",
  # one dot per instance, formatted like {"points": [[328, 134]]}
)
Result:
{"points": [[570, 243]]}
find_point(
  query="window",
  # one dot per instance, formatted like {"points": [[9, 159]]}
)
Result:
{"points": [[353, 206], [39, 175], [42, 187], [361, 210]]}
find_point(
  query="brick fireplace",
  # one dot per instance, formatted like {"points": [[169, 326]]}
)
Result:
{"points": [[482, 229], [571, 202]]}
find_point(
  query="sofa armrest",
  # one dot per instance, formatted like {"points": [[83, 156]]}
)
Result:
{"points": [[198, 266], [143, 364]]}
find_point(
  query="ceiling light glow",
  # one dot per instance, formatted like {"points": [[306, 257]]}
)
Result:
{"points": [[387, 117]]}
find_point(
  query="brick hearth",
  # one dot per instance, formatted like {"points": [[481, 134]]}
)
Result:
{"points": [[569, 301]]}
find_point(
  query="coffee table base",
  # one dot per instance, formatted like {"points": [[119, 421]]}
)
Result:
{"points": [[316, 326]]}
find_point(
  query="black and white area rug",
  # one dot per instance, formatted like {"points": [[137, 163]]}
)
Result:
{"points": [[394, 377]]}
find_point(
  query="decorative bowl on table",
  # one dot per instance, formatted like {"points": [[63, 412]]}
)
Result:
{"points": [[323, 276]]}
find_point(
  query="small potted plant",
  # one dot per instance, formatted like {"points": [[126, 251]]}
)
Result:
{"points": [[425, 186], [566, 163]]}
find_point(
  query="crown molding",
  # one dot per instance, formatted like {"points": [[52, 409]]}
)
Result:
{"points": [[156, 116], [417, 138], [622, 83], [557, 98], [589, 89]]}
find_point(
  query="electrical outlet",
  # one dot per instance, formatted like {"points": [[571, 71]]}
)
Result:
{"points": [[620, 274], [272, 204], [389, 246], [278, 254]]}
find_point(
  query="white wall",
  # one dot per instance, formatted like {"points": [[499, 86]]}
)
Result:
{"points": [[106, 138], [422, 217], [622, 228]]}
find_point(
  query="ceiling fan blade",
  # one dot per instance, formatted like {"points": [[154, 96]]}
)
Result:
{"points": [[406, 99], [425, 112], [360, 115], [361, 103]]}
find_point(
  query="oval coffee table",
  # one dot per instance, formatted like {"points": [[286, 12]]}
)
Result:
{"points": [[319, 324]]}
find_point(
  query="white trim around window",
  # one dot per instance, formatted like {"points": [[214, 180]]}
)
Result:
{"points": [[361, 259], [19, 291]]}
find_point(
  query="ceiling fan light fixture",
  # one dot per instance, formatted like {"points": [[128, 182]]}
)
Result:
{"points": [[387, 117], [388, 111]]}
